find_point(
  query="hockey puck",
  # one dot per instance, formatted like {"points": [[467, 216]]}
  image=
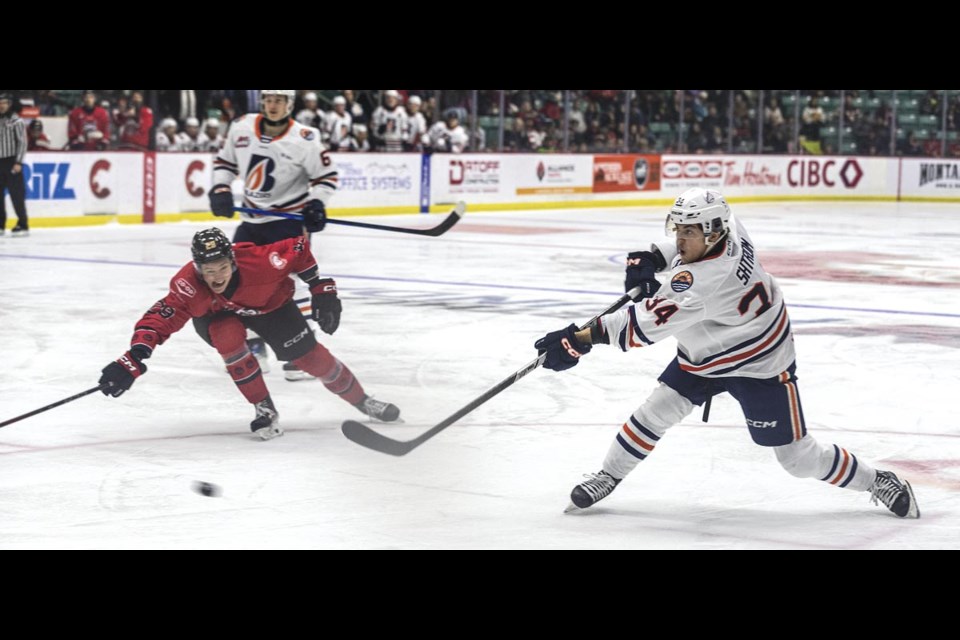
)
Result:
{"points": [[207, 489]]}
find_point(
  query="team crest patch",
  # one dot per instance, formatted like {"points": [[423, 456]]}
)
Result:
{"points": [[306, 134], [682, 281], [242, 141], [277, 261], [185, 288]]}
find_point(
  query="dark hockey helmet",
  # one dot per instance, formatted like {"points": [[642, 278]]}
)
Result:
{"points": [[210, 245]]}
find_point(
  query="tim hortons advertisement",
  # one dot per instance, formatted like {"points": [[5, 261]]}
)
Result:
{"points": [[780, 175], [626, 173], [73, 184], [930, 177], [548, 174]]}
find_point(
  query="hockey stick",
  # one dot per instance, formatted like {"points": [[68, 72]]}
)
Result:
{"points": [[51, 406], [452, 218], [367, 437], [706, 408]]}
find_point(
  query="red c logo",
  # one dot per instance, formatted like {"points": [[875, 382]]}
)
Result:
{"points": [[95, 188], [194, 189]]}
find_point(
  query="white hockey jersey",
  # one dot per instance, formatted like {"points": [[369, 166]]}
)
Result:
{"points": [[206, 143], [311, 118], [727, 314], [336, 128], [442, 138], [415, 131], [389, 126], [280, 173], [181, 142]]}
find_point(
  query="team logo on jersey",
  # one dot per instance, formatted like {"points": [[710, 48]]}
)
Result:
{"points": [[184, 287], [260, 174], [277, 261], [242, 141], [306, 134], [682, 281], [298, 246]]}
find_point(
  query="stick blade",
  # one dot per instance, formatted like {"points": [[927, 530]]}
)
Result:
{"points": [[367, 437], [452, 218]]}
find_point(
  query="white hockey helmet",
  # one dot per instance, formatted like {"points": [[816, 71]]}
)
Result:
{"points": [[307, 97], [192, 122], [339, 100], [168, 122], [211, 123], [705, 207], [291, 95]]}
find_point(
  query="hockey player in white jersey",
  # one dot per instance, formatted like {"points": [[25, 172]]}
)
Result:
{"points": [[447, 136], [168, 139], [337, 124], [284, 167], [389, 122], [210, 139], [733, 333], [416, 128]]}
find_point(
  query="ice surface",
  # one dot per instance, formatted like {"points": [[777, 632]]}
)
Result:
{"points": [[430, 324]]}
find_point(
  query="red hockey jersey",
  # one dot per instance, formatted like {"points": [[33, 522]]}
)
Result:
{"points": [[260, 284]]}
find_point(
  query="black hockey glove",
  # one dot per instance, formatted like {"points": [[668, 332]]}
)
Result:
{"points": [[325, 306], [221, 201], [562, 348], [314, 216], [641, 267], [120, 374]]}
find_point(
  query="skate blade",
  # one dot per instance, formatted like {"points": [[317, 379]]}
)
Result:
{"points": [[572, 508], [914, 510]]}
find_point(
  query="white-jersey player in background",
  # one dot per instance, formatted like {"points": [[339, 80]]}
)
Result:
{"points": [[310, 115], [447, 136], [388, 123], [416, 125], [337, 124], [167, 137], [284, 167], [733, 334], [210, 139]]}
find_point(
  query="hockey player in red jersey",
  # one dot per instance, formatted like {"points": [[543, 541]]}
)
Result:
{"points": [[733, 334], [228, 288], [88, 127]]}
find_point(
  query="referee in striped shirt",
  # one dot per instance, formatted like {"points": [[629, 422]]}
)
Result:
{"points": [[13, 144]]}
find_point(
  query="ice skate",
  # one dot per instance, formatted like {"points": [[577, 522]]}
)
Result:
{"points": [[382, 411], [596, 487], [267, 423], [896, 494]]}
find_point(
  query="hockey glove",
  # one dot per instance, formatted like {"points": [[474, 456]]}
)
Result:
{"points": [[325, 306], [120, 374], [641, 267], [562, 348], [314, 216], [221, 201]]}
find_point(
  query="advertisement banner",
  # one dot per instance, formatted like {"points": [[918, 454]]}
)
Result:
{"points": [[377, 180], [626, 173], [182, 181], [930, 177], [780, 175], [73, 184], [474, 177], [553, 174]]}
